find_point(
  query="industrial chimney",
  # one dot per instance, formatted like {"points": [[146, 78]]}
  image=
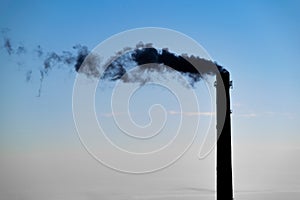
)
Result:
{"points": [[195, 68], [224, 163]]}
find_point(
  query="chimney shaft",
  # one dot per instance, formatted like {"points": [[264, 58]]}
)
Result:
{"points": [[224, 163]]}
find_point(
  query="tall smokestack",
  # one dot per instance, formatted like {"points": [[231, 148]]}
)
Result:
{"points": [[224, 168], [194, 68]]}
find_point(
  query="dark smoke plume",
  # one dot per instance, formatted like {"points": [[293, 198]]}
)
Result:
{"points": [[82, 53], [148, 58], [66, 58]]}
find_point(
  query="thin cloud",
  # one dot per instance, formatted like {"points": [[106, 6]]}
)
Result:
{"points": [[172, 112], [246, 115], [265, 114]]}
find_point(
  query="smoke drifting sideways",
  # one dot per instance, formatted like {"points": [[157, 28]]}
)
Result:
{"points": [[50, 60], [149, 59], [10, 50]]}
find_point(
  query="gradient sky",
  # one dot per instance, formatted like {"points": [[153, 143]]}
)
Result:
{"points": [[258, 42]]}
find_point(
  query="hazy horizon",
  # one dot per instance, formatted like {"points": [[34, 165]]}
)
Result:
{"points": [[42, 156]]}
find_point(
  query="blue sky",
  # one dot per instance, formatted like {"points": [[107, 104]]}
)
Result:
{"points": [[257, 41]]}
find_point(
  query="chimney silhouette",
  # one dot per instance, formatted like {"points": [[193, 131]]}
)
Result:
{"points": [[224, 163], [195, 68]]}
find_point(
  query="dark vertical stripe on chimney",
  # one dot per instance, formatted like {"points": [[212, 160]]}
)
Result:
{"points": [[224, 168]]}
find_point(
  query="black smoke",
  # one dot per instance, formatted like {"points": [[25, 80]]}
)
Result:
{"points": [[65, 58], [82, 53], [149, 59]]}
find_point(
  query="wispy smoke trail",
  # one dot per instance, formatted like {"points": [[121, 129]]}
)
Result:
{"points": [[39, 51], [7, 46], [41, 83], [21, 50], [71, 59], [66, 58], [148, 58], [28, 75]]}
